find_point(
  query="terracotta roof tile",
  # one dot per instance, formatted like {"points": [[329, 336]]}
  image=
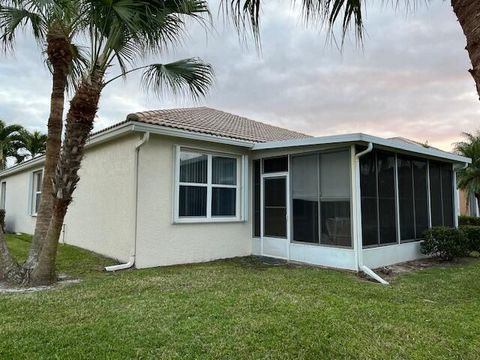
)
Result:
{"points": [[215, 122]]}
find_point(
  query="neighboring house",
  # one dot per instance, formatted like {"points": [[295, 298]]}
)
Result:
{"points": [[190, 185], [468, 204]]}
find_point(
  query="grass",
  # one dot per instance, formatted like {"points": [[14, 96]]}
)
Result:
{"points": [[241, 309]]}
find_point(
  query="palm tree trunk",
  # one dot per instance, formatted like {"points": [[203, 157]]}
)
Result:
{"points": [[60, 57], [468, 15], [80, 117]]}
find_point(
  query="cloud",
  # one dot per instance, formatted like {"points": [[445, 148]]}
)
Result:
{"points": [[410, 79]]}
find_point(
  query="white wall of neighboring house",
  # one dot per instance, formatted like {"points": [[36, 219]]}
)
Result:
{"points": [[159, 240]]}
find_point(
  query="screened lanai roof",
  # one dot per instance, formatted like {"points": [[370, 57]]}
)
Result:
{"points": [[360, 138]]}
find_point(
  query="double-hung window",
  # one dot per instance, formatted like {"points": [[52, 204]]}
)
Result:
{"points": [[36, 191], [207, 186]]}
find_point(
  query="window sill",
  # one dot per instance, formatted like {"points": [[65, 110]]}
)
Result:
{"points": [[206, 221]]}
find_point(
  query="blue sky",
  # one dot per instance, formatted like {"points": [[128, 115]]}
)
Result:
{"points": [[410, 78]]}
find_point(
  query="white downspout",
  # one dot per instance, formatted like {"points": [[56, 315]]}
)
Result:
{"points": [[131, 261], [358, 219]]}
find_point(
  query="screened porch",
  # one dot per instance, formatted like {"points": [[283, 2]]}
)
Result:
{"points": [[303, 208]]}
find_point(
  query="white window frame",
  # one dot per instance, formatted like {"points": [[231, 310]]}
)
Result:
{"points": [[34, 192], [240, 188], [3, 195]]}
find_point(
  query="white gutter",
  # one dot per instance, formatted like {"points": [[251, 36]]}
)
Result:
{"points": [[358, 219], [131, 262]]}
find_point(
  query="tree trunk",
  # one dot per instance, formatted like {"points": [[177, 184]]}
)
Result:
{"points": [[468, 15], [60, 58], [80, 117]]}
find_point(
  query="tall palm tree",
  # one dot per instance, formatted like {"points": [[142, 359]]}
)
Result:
{"points": [[119, 33], [9, 140], [53, 24], [32, 143], [469, 179], [350, 14]]}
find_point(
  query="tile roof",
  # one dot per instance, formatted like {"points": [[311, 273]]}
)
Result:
{"points": [[215, 122]]}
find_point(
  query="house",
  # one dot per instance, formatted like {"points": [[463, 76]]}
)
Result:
{"points": [[191, 185], [468, 204]]}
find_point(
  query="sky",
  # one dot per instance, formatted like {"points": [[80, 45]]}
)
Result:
{"points": [[409, 78]]}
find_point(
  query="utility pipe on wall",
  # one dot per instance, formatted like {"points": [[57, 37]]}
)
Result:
{"points": [[131, 262], [358, 216]]}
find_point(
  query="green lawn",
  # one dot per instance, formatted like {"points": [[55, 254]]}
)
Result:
{"points": [[242, 309]]}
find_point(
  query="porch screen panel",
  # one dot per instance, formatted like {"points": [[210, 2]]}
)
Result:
{"points": [[305, 195], [447, 194], [436, 194], [386, 198], [421, 197], [406, 198], [256, 198], [277, 164], [335, 226], [368, 189]]}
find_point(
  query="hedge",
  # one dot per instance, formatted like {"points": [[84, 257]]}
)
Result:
{"points": [[469, 220], [444, 242], [472, 234]]}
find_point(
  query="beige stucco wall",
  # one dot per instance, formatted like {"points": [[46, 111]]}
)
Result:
{"points": [[18, 202], [101, 216], [159, 240]]}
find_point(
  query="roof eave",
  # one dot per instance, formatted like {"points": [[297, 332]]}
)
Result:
{"points": [[134, 126], [364, 138]]}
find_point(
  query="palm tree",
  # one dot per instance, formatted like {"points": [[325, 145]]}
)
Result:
{"points": [[9, 140], [349, 14], [119, 32], [33, 143], [469, 179], [53, 24]]}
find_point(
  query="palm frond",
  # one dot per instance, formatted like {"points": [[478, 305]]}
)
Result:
{"points": [[12, 18], [187, 77]]}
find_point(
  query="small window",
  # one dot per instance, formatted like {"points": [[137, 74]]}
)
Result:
{"points": [[277, 164], [208, 186], [3, 195], [36, 191]]}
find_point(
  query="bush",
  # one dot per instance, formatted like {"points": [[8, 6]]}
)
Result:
{"points": [[446, 243], [472, 233], [468, 220]]}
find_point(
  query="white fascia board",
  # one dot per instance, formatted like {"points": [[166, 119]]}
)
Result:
{"points": [[30, 164], [364, 138], [94, 140], [162, 130]]}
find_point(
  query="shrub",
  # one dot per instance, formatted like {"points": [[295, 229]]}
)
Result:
{"points": [[472, 233], [468, 220], [446, 243]]}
